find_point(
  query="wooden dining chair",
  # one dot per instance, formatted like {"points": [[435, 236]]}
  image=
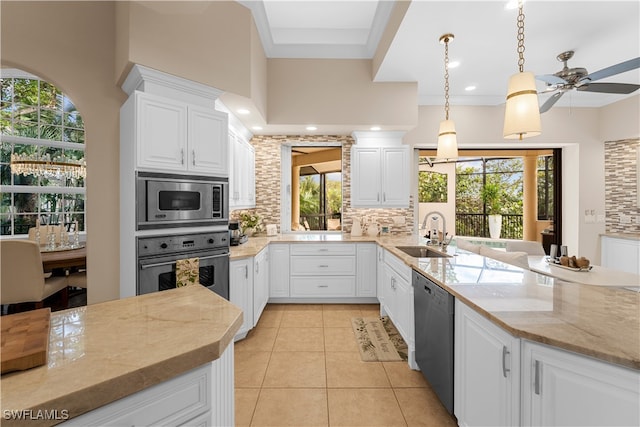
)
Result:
{"points": [[22, 279]]}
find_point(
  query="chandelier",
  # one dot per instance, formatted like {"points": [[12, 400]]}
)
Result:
{"points": [[58, 167]]}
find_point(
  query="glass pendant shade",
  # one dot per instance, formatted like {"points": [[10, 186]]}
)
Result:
{"points": [[522, 112], [447, 141]]}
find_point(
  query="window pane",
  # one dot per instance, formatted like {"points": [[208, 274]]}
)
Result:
{"points": [[432, 187], [25, 91], [30, 130], [73, 135], [5, 174], [73, 120], [6, 89], [22, 223], [53, 133], [25, 202], [50, 117], [49, 96], [26, 113], [5, 225]]}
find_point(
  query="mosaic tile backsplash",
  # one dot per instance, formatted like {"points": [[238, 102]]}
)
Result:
{"points": [[621, 192], [268, 172]]}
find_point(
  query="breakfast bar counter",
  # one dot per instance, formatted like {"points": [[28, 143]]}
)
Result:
{"points": [[104, 352]]}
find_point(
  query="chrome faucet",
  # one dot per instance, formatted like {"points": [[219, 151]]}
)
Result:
{"points": [[434, 239]]}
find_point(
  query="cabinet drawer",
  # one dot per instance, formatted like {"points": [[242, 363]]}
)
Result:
{"points": [[323, 249], [323, 265], [323, 286]]}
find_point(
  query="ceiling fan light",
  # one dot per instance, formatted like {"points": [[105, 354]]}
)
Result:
{"points": [[447, 141], [522, 112]]}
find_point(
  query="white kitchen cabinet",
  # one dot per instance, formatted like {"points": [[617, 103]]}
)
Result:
{"points": [[173, 136], [620, 254], [486, 372], [366, 275], [380, 279], [380, 176], [278, 270], [188, 399], [397, 302], [325, 270], [241, 292], [260, 283], [242, 182], [564, 388]]}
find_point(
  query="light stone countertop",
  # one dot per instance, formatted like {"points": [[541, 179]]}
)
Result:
{"points": [[103, 352], [598, 320]]}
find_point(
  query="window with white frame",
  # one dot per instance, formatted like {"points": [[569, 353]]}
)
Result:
{"points": [[37, 119]]}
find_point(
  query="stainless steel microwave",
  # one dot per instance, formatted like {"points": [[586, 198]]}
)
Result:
{"points": [[168, 200]]}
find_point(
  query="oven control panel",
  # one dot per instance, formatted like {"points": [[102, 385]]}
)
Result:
{"points": [[158, 245]]}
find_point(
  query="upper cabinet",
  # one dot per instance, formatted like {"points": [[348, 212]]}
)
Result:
{"points": [[175, 136], [380, 176], [170, 124], [242, 180]]}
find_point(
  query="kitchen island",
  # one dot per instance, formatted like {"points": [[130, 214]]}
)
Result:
{"points": [[104, 354]]}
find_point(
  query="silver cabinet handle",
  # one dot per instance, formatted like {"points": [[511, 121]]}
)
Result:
{"points": [[257, 267], [504, 361], [246, 271], [393, 283], [323, 266], [323, 286], [323, 250], [193, 157], [182, 156], [384, 197], [378, 197], [536, 385], [160, 264]]}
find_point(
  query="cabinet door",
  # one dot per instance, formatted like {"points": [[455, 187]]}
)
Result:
{"points": [[621, 254], [563, 388], [365, 177], [366, 269], [260, 284], [279, 271], [487, 371], [161, 133], [395, 177], [388, 292], [208, 144], [404, 310], [380, 273], [241, 292]]}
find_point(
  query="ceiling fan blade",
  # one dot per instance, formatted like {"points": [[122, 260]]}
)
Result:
{"points": [[551, 79], [621, 88], [552, 100], [631, 64]]}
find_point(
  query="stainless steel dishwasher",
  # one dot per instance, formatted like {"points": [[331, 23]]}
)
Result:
{"points": [[434, 309]]}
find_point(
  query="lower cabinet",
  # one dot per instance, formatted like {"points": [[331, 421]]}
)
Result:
{"points": [[563, 388], [202, 396], [279, 270], [241, 292], [397, 300], [486, 371], [620, 254], [366, 254], [260, 283]]}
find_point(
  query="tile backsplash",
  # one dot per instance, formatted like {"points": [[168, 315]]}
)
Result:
{"points": [[621, 191], [268, 172]]}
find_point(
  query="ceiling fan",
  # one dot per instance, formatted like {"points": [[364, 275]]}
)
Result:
{"points": [[578, 78]]}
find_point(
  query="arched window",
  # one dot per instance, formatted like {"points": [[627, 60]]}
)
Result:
{"points": [[38, 121]]}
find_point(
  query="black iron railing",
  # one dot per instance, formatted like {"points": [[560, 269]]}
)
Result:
{"points": [[476, 225], [320, 221]]}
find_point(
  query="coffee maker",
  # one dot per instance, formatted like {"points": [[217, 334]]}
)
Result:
{"points": [[235, 234]]}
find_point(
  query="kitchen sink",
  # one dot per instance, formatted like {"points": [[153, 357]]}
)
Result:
{"points": [[421, 252]]}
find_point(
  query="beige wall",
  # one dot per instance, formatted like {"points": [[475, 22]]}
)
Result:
{"points": [[72, 45], [337, 91]]}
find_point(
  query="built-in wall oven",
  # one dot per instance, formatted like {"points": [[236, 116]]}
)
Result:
{"points": [[157, 257], [169, 201]]}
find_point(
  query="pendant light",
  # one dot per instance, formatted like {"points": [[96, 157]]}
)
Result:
{"points": [[522, 112], [447, 139]]}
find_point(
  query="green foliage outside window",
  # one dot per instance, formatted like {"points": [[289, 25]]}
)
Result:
{"points": [[432, 187]]}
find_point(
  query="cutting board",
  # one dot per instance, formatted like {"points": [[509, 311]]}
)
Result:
{"points": [[25, 339]]}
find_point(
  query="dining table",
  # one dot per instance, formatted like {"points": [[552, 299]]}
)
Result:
{"points": [[63, 258]]}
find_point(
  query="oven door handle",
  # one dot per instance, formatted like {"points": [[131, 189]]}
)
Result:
{"points": [[160, 264]]}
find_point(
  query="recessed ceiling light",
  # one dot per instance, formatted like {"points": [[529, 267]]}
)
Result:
{"points": [[312, 128], [454, 64], [470, 88], [243, 111], [375, 128], [256, 127]]}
